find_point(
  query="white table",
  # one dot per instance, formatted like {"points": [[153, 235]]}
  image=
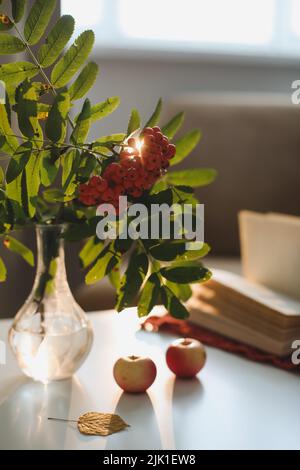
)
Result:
{"points": [[233, 404]]}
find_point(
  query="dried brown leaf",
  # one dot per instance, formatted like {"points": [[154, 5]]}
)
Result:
{"points": [[100, 424]]}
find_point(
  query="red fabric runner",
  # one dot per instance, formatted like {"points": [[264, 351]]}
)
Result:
{"points": [[182, 328]]}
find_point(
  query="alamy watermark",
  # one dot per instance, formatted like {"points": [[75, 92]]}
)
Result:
{"points": [[159, 221], [296, 353], [295, 97]]}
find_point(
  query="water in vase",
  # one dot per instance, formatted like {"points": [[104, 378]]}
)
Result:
{"points": [[51, 335]]}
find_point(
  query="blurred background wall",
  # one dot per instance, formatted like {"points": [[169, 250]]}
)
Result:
{"points": [[234, 83], [141, 81]]}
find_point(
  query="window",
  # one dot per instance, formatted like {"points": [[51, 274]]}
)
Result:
{"points": [[257, 27]]}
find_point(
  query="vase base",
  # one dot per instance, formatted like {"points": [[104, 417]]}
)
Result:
{"points": [[46, 358]]}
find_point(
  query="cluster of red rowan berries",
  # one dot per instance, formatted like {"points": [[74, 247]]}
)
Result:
{"points": [[142, 161]]}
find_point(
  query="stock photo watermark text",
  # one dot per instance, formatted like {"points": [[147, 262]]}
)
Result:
{"points": [[139, 221]]}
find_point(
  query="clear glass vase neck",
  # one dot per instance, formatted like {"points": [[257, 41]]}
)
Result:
{"points": [[51, 270]]}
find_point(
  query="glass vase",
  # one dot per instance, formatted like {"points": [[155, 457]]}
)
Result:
{"points": [[51, 335]]}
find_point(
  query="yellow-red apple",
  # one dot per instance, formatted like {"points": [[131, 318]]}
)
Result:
{"points": [[186, 357], [134, 374]]}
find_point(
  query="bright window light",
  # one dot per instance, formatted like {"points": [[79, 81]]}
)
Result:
{"points": [[216, 21], [87, 13], [259, 27], [295, 17]]}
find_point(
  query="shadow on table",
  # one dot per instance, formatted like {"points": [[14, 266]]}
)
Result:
{"points": [[186, 395], [143, 433], [25, 413], [10, 386], [187, 391]]}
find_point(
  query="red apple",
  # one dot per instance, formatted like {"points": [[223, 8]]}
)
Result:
{"points": [[134, 374], [186, 357]]}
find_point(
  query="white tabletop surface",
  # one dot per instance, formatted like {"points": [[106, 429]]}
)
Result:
{"points": [[233, 404]]}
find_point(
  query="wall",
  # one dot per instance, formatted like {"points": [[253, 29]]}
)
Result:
{"points": [[140, 82]]}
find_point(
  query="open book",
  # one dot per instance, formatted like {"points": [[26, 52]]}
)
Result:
{"points": [[247, 312], [270, 245]]}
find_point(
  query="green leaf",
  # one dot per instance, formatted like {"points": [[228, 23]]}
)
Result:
{"points": [[83, 124], [186, 274], [17, 72], [70, 63], [163, 197], [84, 81], [115, 276], [173, 304], [56, 41], [10, 91], [1, 175], [56, 122], [160, 185], [18, 162], [182, 291], [132, 280], [182, 196], [3, 271], [134, 122], [184, 189], [10, 44], [33, 181], [14, 211], [43, 107], [38, 20], [67, 165], [17, 247], [88, 163], [49, 168], [70, 165], [101, 110], [26, 99], [79, 231], [102, 267], [185, 146], [173, 126], [14, 190], [112, 139], [18, 9], [8, 105], [38, 140], [149, 295], [123, 244], [55, 195], [90, 252], [195, 177], [200, 250], [11, 143], [24, 188], [168, 250], [154, 119], [105, 144]]}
